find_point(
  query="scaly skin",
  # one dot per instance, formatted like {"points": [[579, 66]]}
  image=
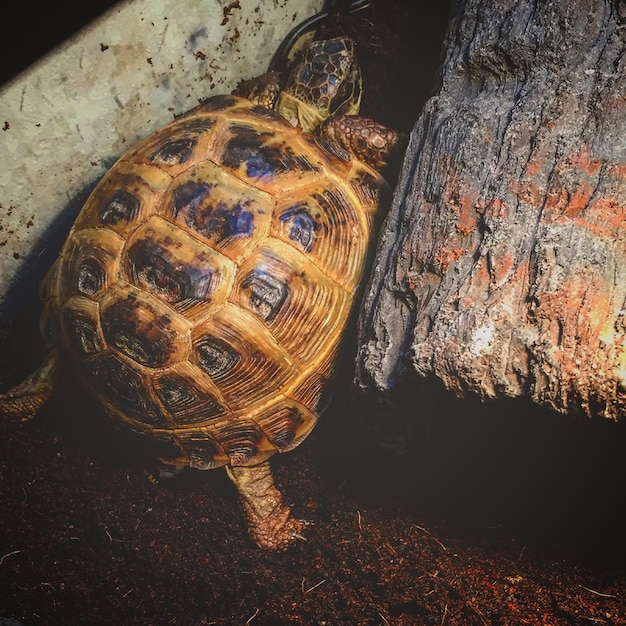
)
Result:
{"points": [[371, 142], [23, 402], [270, 523]]}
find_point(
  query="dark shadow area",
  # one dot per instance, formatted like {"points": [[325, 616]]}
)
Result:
{"points": [[30, 30], [22, 293], [505, 466]]}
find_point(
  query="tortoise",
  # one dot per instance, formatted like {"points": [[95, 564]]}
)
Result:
{"points": [[203, 289]]}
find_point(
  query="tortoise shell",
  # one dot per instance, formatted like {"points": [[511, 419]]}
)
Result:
{"points": [[205, 285]]}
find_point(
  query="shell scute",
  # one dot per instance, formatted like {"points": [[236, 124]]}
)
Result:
{"points": [[228, 214], [244, 442], [240, 356], [91, 262], [285, 423], [80, 318], [186, 401], [164, 260], [125, 196], [301, 306], [201, 448], [265, 159], [124, 391], [143, 328]]}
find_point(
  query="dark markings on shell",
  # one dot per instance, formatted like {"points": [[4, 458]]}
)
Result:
{"points": [[83, 333], [300, 225], [204, 452], [187, 403], [264, 113], [217, 103], [175, 151], [240, 441], [121, 331], [262, 160], [331, 148], [196, 125], [190, 195], [220, 221], [216, 357], [281, 428], [124, 387], [89, 276], [122, 205], [371, 189], [266, 294], [152, 267]]}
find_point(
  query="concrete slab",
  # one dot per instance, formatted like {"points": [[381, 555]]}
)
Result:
{"points": [[70, 116]]}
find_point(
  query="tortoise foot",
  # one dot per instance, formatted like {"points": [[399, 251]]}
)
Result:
{"points": [[270, 523]]}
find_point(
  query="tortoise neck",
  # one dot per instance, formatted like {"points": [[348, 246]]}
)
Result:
{"points": [[299, 113]]}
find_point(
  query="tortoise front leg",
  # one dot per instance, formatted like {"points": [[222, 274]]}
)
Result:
{"points": [[263, 90], [270, 523], [373, 143]]}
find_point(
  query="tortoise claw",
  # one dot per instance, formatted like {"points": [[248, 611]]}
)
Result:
{"points": [[270, 523]]}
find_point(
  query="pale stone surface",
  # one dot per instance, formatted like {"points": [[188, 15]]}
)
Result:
{"points": [[70, 116]]}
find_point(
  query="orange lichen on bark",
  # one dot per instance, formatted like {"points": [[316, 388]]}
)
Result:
{"points": [[502, 265], [574, 195], [497, 209], [604, 218], [463, 206], [570, 204], [582, 307], [468, 215], [448, 255], [528, 192], [584, 163], [580, 317]]}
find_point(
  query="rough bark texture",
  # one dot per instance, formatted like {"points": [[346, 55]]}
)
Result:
{"points": [[501, 268]]}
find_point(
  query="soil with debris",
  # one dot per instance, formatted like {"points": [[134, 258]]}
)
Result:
{"points": [[501, 515]]}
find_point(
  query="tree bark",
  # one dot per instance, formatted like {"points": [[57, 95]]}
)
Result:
{"points": [[501, 268]]}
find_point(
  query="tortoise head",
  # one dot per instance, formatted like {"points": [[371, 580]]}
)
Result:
{"points": [[327, 81]]}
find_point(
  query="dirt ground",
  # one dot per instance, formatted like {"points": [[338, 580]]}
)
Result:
{"points": [[500, 514]]}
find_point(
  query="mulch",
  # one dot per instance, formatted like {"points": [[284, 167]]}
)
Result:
{"points": [[502, 514]]}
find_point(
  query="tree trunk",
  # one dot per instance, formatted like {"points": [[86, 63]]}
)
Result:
{"points": [[501, 269]]}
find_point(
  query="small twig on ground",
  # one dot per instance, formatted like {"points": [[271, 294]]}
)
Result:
{"points": [[9, 554], [598, 593], [321, 582], [431, 535], [252, 616]]}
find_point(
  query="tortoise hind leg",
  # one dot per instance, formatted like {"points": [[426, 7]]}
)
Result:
{"points": [[24, 401], [270, 523]]}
